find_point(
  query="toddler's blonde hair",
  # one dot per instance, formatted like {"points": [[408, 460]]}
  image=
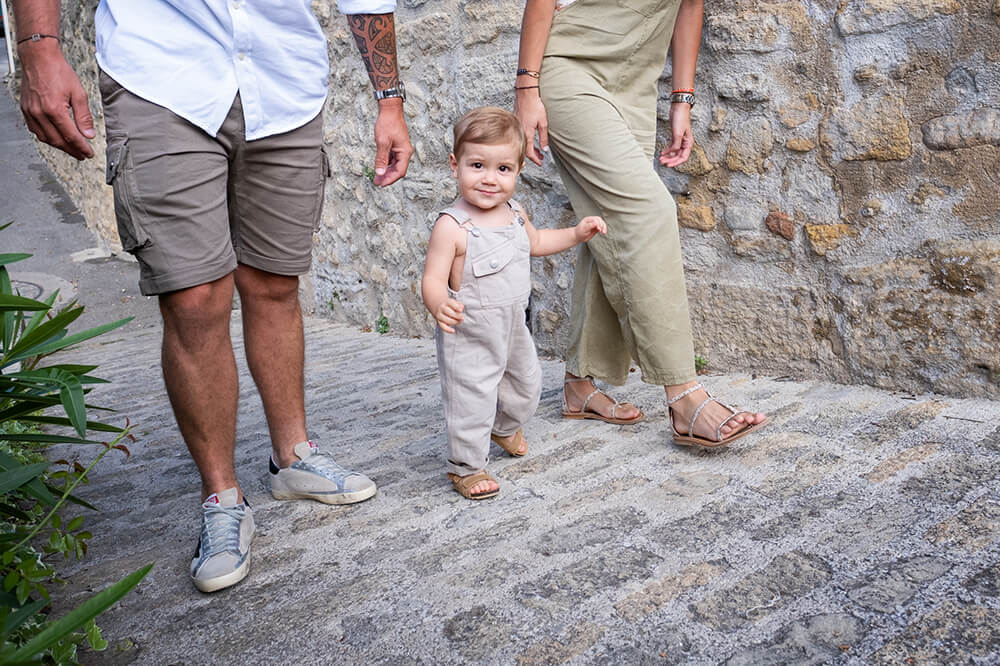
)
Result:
{"points": [[490, 125]]}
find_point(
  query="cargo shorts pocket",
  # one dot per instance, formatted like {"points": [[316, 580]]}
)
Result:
{"points": [[121, 177], [325, 173]]}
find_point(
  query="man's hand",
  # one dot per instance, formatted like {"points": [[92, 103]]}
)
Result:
{"points": [[449, 314], [589, 227], [53, 101], [392, 142]]}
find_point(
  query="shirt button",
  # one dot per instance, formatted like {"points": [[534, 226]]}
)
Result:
{"points": [[494, 263], [242, 56]]}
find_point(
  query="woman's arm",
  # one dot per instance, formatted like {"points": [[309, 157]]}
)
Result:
{"points": [[684, 56], [528, 105]]}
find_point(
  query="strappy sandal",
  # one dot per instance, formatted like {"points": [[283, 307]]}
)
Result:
{"points": [[511, 444], [691, 439], [584, 414], [463, 484]]}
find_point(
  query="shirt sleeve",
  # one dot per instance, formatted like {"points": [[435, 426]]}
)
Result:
{"points": [[366, 6]]}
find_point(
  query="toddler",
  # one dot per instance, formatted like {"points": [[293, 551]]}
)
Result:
{"points": [[476, 283]]}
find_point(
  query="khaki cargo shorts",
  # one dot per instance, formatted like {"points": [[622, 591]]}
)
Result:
{"points": [[190, 206]]}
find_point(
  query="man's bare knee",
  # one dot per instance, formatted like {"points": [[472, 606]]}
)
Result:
{"points": [[203, 304], [259, 286]]}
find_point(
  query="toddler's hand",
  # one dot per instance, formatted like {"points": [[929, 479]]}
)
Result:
{"points": [[589, 227], [449, 314]]}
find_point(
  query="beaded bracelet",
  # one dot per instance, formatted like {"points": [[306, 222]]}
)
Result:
{"points": [[683, 90]]}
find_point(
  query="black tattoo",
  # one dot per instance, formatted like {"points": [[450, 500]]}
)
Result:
{"points": [[375, 35]]}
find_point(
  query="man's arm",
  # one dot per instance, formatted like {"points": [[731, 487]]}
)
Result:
{"points": [[375, 35], [53, 102]]}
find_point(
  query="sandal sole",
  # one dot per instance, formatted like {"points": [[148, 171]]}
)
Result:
{"points": [[594, 416], [687, 440]]}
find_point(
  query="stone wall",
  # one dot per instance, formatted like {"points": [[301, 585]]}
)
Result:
{"points": [[839, 212]]}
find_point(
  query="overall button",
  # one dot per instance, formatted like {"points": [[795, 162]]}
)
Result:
{"points": [[494, 263]]}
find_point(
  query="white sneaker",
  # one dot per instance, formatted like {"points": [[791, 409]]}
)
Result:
{"points": [[223, 555], [316, 475]]}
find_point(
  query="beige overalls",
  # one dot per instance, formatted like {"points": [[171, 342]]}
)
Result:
{"points": [[491, 379], [599, 84]]}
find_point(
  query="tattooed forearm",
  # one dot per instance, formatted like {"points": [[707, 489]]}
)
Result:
{"points": [[375, 35]]}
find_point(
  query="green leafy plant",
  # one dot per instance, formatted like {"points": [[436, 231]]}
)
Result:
{"points": [[369, 173], [33, 498], [382, 325], [700, 364]]}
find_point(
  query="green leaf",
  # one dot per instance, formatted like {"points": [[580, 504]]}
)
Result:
{"points": [[18, 476], [74, 524], [94, 638], [71, 394], [63, 421], [70, 340], [21, 615], [12, 303], [23, 591], [48, 439], [39, 317], [11, 580], [11, 257], [76, 618], [53, 330]]}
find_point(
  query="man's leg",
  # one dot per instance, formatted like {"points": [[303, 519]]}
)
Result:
{"points": [[275, 349], [200, 374]]}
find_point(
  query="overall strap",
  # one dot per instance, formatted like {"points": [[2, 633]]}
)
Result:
{"points": [[518, 210], [464, 219]]}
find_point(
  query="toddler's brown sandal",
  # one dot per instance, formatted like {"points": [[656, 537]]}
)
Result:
{"points": [[511, 444], [464, 484]]}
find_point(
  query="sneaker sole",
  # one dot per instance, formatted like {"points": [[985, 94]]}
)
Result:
{"points": [[331, 498], [221, 582]]}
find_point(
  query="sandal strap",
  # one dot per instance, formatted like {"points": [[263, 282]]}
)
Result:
{"points": [[718, 431], [684, 393], [586, 401], [571, 380], [697, 412], [466, 482]]}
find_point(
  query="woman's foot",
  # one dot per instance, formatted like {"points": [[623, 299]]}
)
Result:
{"points": [[582, 400], [685, 399]]}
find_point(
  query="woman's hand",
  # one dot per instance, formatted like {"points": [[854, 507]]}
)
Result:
{"points": [[683, 140], [530, 111]]}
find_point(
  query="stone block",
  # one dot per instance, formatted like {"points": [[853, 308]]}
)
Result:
{"points": [[819, 639], [695, 217], [749, 146], [578, 640], [971, 529], [602, 529], [872, 129], [900, 461], [826, 237], [475, 633], [781, 224], [660, 592], [698, 163], [762, 592], [972, 128], [888, 589], [799, 145], [856, 17], [953, 633]]}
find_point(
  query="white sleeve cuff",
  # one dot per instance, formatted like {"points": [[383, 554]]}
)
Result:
{"points": [[366, 6]]}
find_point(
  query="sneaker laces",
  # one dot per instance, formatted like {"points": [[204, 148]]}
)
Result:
{"points": [[220, 530], [323, 461]]}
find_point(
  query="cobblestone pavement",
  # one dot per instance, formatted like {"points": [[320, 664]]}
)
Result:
{"points": [[859, 527]]}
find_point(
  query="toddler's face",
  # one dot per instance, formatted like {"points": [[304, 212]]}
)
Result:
{"points": [[486, 173]]}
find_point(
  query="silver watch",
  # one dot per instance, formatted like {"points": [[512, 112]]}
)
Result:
{"points": [[399, 91], [687, 98]]}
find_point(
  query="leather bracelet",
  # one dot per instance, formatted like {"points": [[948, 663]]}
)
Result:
{"points": [[524, 87], [528, 72], [37, 37]]}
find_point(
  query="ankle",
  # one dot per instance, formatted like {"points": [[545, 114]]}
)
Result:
{"points": [[675, 390]]}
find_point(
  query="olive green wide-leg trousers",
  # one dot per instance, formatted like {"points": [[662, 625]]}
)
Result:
{"points": [[599, 89]]}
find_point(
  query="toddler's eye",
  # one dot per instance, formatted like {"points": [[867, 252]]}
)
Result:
{"points": [[477, 165], [505, 168]]}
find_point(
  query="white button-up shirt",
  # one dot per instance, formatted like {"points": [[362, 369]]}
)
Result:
{"points": [[193, 56]]}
